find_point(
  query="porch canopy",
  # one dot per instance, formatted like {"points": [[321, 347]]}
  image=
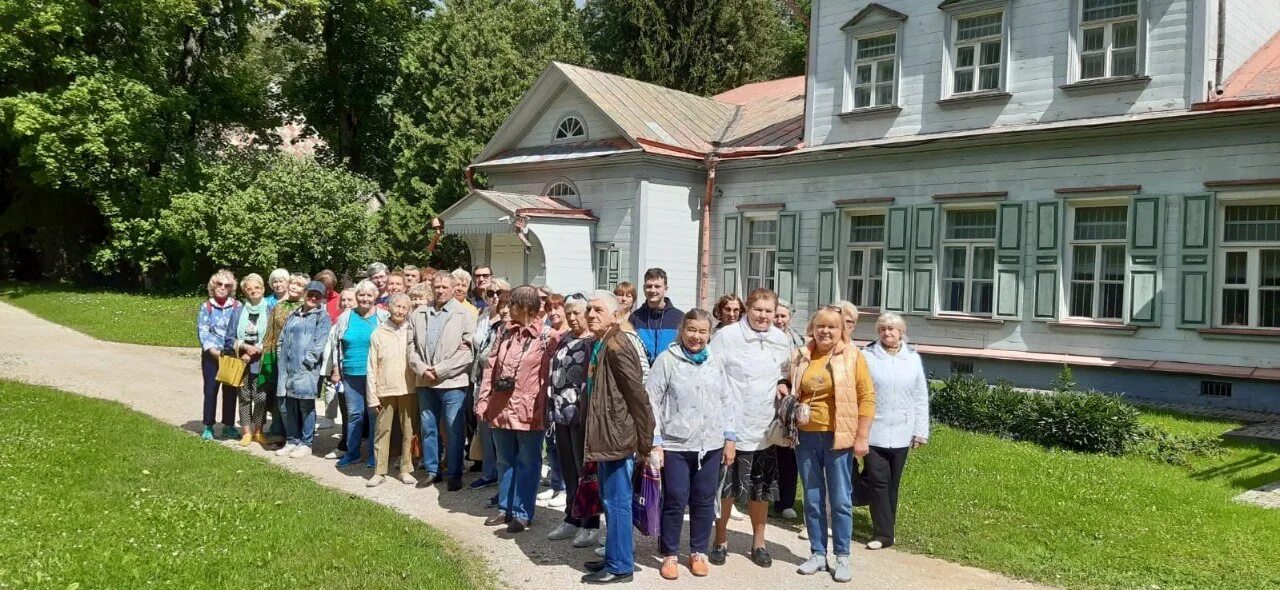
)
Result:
{"points": [[526, 238]]}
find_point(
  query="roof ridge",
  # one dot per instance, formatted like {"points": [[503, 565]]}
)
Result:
{"points": [[711, 99]]}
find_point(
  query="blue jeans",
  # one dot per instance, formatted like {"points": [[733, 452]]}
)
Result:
{"points": [[553, 460], [489, 454], [299, 417], [828, 476], [358, 415], [435, 405], [616, 491], [519, 470]]}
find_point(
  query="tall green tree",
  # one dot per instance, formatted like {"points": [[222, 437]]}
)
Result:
{"points": [[344, 58], [462, 73], [698, 46]]}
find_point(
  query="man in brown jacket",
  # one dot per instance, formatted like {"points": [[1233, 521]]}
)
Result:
{"points": [[618, 428]]}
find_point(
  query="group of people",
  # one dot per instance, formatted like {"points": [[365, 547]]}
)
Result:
{"points": [[731, 407]]}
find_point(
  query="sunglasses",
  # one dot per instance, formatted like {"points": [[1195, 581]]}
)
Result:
{"points": [[482, 275], [226, 284], [578, 296]]}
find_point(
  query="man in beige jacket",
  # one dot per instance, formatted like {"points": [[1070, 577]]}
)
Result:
{"points": [[440, 358], [389, 383]]}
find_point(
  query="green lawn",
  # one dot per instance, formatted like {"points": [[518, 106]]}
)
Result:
{"points": [[1093, 521], [164, 320], [98, 496]]}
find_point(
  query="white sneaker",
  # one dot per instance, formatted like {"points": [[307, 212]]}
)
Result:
{"points": [[563, 531], [375, 481], [331, 455], [285, 450], [300, 451], [407, 479], [600, 551], [816, 563], [547, 494], [842, 570], [586, 537], [875, 544], [789, 514], [559, 501], [735, 514]]}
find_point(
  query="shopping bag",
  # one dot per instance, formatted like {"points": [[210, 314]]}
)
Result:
{"points": [[587, 501], [231, 370], [646, 501]]}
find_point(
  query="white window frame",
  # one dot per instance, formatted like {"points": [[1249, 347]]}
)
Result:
{"points": [[871, 300], [1068, 269], [570, 138], [1253, 262], [969, 245], [573, 197], [851, 83], [600, 265], [951, 54], [766, 252], [1077, 42]]}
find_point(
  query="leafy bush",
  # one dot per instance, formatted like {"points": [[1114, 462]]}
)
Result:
{"points": [[1080, 421], [1157, 444]]}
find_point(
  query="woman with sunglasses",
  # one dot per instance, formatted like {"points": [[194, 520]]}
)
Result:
{"points": [[568, 380], [212, 322], [488, 330]]}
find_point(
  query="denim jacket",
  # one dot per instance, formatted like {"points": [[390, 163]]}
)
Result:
{"points": [[301, 352], [213, 321]]}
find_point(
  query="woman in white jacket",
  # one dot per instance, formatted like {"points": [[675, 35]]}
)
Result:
{"points": [[756, 357], [901, 422], [693, 436]]}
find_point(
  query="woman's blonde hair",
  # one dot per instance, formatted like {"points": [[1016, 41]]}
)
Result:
{"points": [[221, 276], [251, 278], [830, 310], [889, 318]]}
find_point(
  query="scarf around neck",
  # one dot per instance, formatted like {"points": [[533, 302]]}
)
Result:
{"points": [[696, 358]]}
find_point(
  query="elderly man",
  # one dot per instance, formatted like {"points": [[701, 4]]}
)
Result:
{"points": [[618, 426], [461, 290], [377, 272], [440, 358], [483, 278]]}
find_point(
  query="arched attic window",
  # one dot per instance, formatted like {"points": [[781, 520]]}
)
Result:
{"points": [[564, 191], [570, 127]]}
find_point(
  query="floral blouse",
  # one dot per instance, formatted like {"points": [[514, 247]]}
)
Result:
{"points": [[569, 377]]}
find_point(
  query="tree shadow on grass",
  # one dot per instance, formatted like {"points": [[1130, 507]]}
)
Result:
{"points": [[1231, 472]]}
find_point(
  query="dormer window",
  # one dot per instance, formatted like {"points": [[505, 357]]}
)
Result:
{"points": [[978, 53], [1109, 39], [570, 127], [874, 60], [564, 191]]}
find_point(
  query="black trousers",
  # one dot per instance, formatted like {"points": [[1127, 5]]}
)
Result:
{"points": [[787, 476], [882, 472], [570, 442]]}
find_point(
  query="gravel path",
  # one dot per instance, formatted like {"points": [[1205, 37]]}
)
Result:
{"points": [[165, 383]]}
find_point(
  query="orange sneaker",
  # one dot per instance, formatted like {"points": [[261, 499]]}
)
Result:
{"points": [[670, 568], [698, 565]]}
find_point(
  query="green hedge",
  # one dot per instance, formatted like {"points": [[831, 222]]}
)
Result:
{"points": [[1080, 421]]}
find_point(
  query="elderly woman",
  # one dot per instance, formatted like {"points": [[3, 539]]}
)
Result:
{"points": [[213, 321], [298, 365], [488, 330], [390, 390], [348, 364], [901, 421], [513, 399], [836, 402], [756, 356], [568, 383], [295, 288], [278, 281], [694, 435], [728, 310], [849, 314], [554, 496], [462, 286], [245, 332]]}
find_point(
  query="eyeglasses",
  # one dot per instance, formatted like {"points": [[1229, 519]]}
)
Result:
{"points": [[484, 275], [226, 284]]}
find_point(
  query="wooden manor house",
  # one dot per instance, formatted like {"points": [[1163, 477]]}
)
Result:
{"points": [[1032, 183]]}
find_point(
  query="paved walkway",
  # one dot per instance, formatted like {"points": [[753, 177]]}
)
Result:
{"points": [[165, 383]]}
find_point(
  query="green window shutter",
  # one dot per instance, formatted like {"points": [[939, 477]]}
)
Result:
{"points": [[614, 266], [1047, 262], [1009, 258], [1195, 262], [788, 255], [897, 233], [828, 257], [926, 222], [731, 253], [1142, 281]]}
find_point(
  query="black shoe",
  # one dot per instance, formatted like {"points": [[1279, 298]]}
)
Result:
{"points": [[492, 503], [476, 467], [594, 566], [428, 481], [606, 577], [497, 519], [760, 555], [517, 525], [718, 554], [455, 484]]}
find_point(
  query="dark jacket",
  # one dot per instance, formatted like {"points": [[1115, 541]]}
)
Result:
{"points": [[657, 328], [618, 419]]}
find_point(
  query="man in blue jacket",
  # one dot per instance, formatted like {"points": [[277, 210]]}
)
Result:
{"points": [[657, 322]]}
